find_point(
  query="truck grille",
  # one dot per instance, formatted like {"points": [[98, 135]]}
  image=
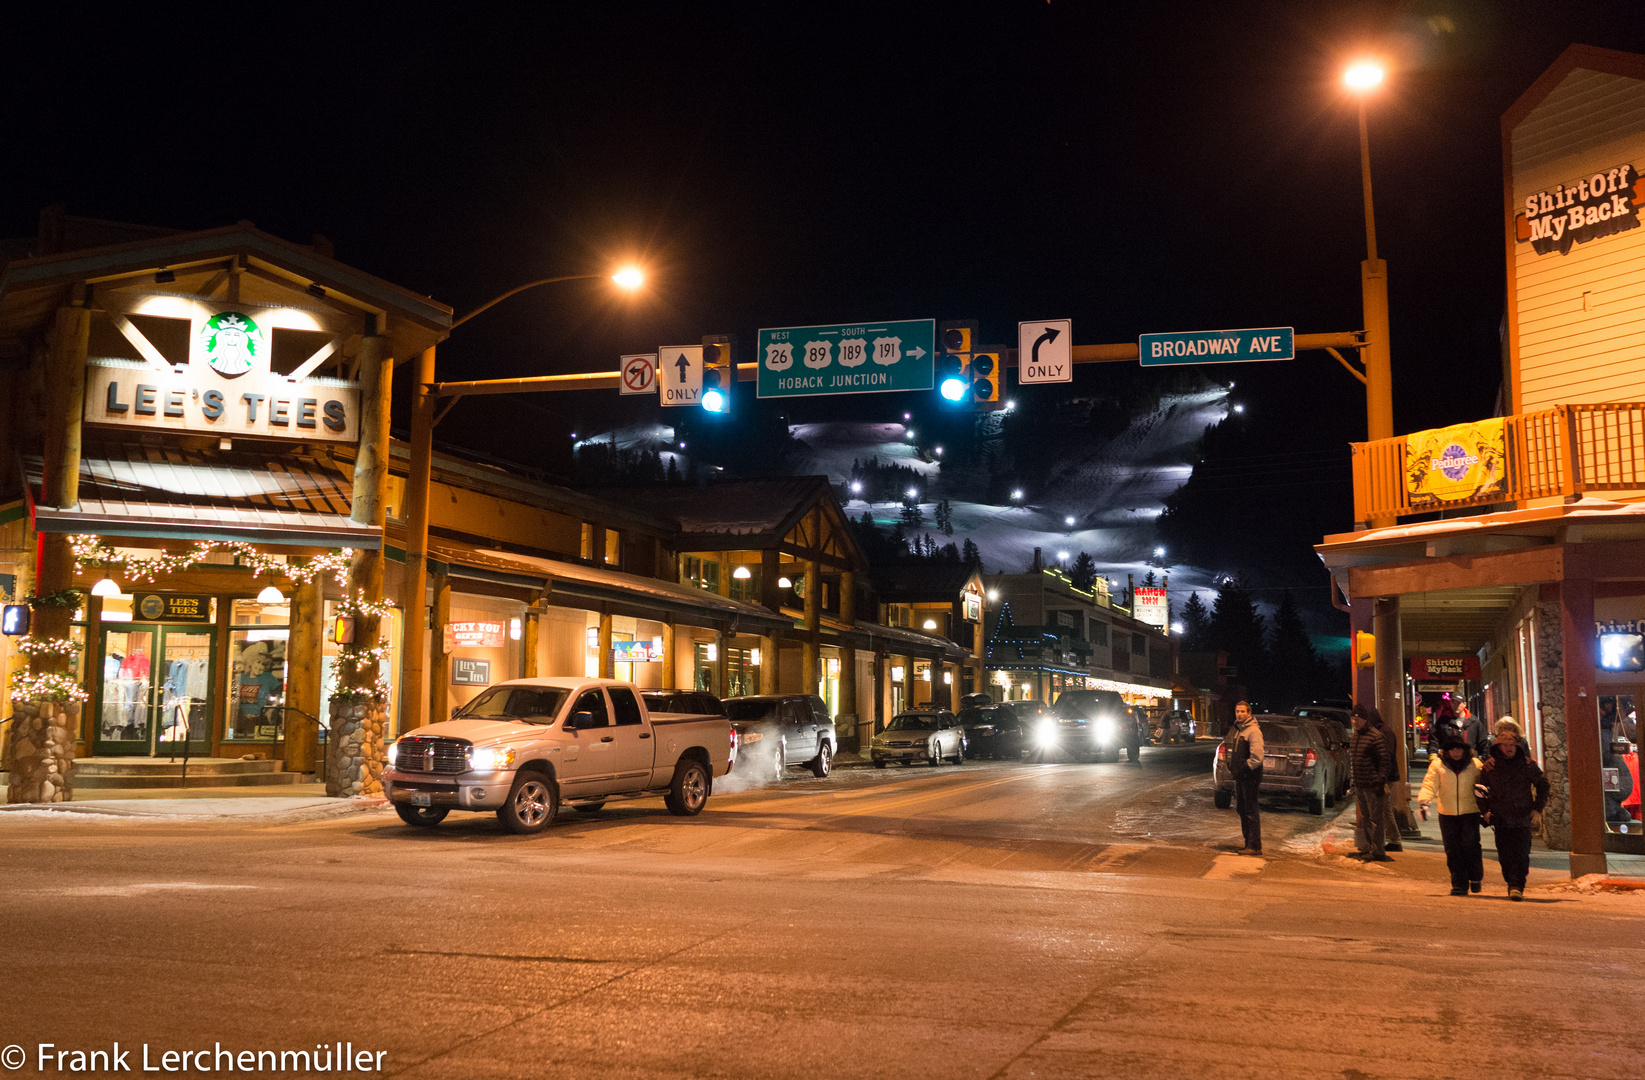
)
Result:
{"points": [[433, 755]]}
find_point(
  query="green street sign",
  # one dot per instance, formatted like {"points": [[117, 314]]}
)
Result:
{"points": [[859, 358], [1217, 346]]}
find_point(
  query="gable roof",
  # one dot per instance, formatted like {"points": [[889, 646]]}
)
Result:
{"points": [[1584, 57], [32, 289]]}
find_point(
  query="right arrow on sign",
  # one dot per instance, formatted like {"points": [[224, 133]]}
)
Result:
{"points": [[1045, 351], [1050, 334]]}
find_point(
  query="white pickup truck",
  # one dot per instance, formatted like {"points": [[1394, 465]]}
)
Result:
{"points": [[526, 747]]}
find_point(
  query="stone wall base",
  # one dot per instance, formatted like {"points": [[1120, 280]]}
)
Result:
{"points": [[42, 751], [354, 752], [1550, 675]]}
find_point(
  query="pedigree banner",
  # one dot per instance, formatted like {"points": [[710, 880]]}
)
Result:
{"points": [[1452, 464]]}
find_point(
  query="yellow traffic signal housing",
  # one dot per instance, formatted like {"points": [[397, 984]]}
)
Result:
{"points": [[1365, 650], [718, 373], [954, 344], [984, 373]]}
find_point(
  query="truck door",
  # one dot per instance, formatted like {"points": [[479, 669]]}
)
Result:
{"points": [[634, 749], [590, 772]]}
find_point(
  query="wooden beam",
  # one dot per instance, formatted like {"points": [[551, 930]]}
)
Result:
{"points": [[1458, 572]]}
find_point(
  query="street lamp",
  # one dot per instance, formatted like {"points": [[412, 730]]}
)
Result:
{"points": [[1362, 78], [424, 415]]}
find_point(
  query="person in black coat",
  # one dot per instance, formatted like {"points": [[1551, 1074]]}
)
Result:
{"points": [[1511, 793], [1368, 756]]}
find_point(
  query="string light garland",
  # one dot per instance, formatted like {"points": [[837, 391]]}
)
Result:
{"points": [[353, 657], [48, 685], [33, 646]]}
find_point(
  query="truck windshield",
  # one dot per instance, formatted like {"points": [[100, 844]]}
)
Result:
{"points": [[745, 712], [534, 704]]}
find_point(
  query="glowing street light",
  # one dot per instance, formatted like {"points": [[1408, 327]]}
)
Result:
{"points": [[1062, 556], [1239, 408], [1363, 76], [629, 278]]}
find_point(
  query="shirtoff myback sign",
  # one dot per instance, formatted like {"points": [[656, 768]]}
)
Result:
{"points": [[226, 388]]}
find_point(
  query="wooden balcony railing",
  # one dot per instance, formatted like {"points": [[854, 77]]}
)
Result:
{"points": [[1569, 451]]}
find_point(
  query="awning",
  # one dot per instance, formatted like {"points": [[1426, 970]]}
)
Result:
{"points": [[647, 598], [164, 492]]}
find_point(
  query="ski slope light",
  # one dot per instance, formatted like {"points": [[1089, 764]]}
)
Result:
{"points": [[1159, 553], [913, 493], [1016, 495], [1069, 520]]}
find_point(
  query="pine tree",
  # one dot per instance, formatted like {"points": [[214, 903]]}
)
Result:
{"points": [[1238, 629], [1298, 673], [1148, 580], [1196, 625], [912, 515], [970, 555], [1083, 574], [945, 518]]}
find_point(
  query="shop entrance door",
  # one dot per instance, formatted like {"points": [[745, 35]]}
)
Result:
{"points": [[156, 691], [1619, 768]]}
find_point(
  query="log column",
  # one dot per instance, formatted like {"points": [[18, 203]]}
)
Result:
{"points": [[669, 660], [359, 717], [1582, 749], [813, 629], [769, 663], [303, 651], [439, 663], [414, 582]]}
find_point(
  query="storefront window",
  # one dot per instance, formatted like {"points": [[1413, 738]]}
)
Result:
{"points": [[1619, 762], [707, 656], [701, 573], [257, 670]]}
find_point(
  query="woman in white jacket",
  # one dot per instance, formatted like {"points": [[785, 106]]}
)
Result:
{"points": [[1451, 776]]}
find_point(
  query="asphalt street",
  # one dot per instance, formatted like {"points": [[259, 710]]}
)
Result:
{"points": [[988, 920]]}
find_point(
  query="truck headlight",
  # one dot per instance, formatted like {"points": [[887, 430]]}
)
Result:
{"points": [[1046, 733], [1106, 729], [393, 752], [486, 759]]}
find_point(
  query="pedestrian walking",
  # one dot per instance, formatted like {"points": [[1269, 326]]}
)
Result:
{"points": [[1511, 793], [1450, 780], [1464, 723], [1368, 756], [1245, 762]]}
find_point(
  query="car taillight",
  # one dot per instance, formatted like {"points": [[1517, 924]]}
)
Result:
{"points": [[1310, 758], [1222, 751]]}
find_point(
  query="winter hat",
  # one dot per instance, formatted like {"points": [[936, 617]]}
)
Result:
{"points": [[1508, 723], [1449, 737]]}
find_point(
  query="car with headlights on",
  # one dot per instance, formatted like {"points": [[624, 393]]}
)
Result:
{"points": [[524, 747], [919, 736], [1090, 725]]}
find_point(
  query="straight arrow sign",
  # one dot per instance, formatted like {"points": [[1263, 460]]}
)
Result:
{"points": [[680, 374]]}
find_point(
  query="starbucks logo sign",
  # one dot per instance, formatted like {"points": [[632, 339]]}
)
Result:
{"points": [[232, 343]]}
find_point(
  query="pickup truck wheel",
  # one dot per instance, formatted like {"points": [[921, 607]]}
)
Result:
{"points": [[426, 816], [688, 792], [532, 804], [820, 764]]}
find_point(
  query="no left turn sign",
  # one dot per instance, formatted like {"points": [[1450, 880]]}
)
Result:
{"points": [[639, 374]]}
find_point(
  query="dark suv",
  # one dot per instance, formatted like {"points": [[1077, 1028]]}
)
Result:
{"points": [[775, 731], [685, 702], [1091, 724]]}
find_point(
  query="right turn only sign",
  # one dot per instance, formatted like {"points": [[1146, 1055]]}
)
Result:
{"points": [[1045, 351]]}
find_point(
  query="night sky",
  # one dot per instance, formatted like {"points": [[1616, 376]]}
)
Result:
{"points": [[1138, 167]]}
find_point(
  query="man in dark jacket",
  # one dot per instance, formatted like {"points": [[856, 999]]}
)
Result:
{"points": [[1245, 752], [1368, 757], [1511, 794], [1390, 823], [1464, 725]]}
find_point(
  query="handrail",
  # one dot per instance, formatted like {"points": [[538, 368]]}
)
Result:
{"points": [[1567, 451]]}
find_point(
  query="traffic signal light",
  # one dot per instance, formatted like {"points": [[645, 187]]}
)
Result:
{"points": [[718, 373], [955, 340], [984, 374]]}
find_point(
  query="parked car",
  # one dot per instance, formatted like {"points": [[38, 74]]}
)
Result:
{"points": [[777, 731], [1335, 725], [993, 731], [1295, 764], [968, 701], [928, 735], [1026, 712], [524, 747], [1090, 724], [1176, 726]]}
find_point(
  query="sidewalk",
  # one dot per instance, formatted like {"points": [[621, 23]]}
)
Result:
{"points": [[201, 805]]}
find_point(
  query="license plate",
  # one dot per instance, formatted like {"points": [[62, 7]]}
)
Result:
{"points": [[418, 800], [1274, 763]]}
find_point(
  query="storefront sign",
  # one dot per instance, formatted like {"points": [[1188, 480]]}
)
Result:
{"points": [[1149, 606], [1445, 668], [636, 652], [973, 607], [227, 387], [467, 672], [474, 635], [1604, 203], [171, 607], [1464, 461]]}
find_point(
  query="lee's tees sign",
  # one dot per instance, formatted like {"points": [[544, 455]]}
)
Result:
{"points": [[1599, 205], [226, 388]]}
